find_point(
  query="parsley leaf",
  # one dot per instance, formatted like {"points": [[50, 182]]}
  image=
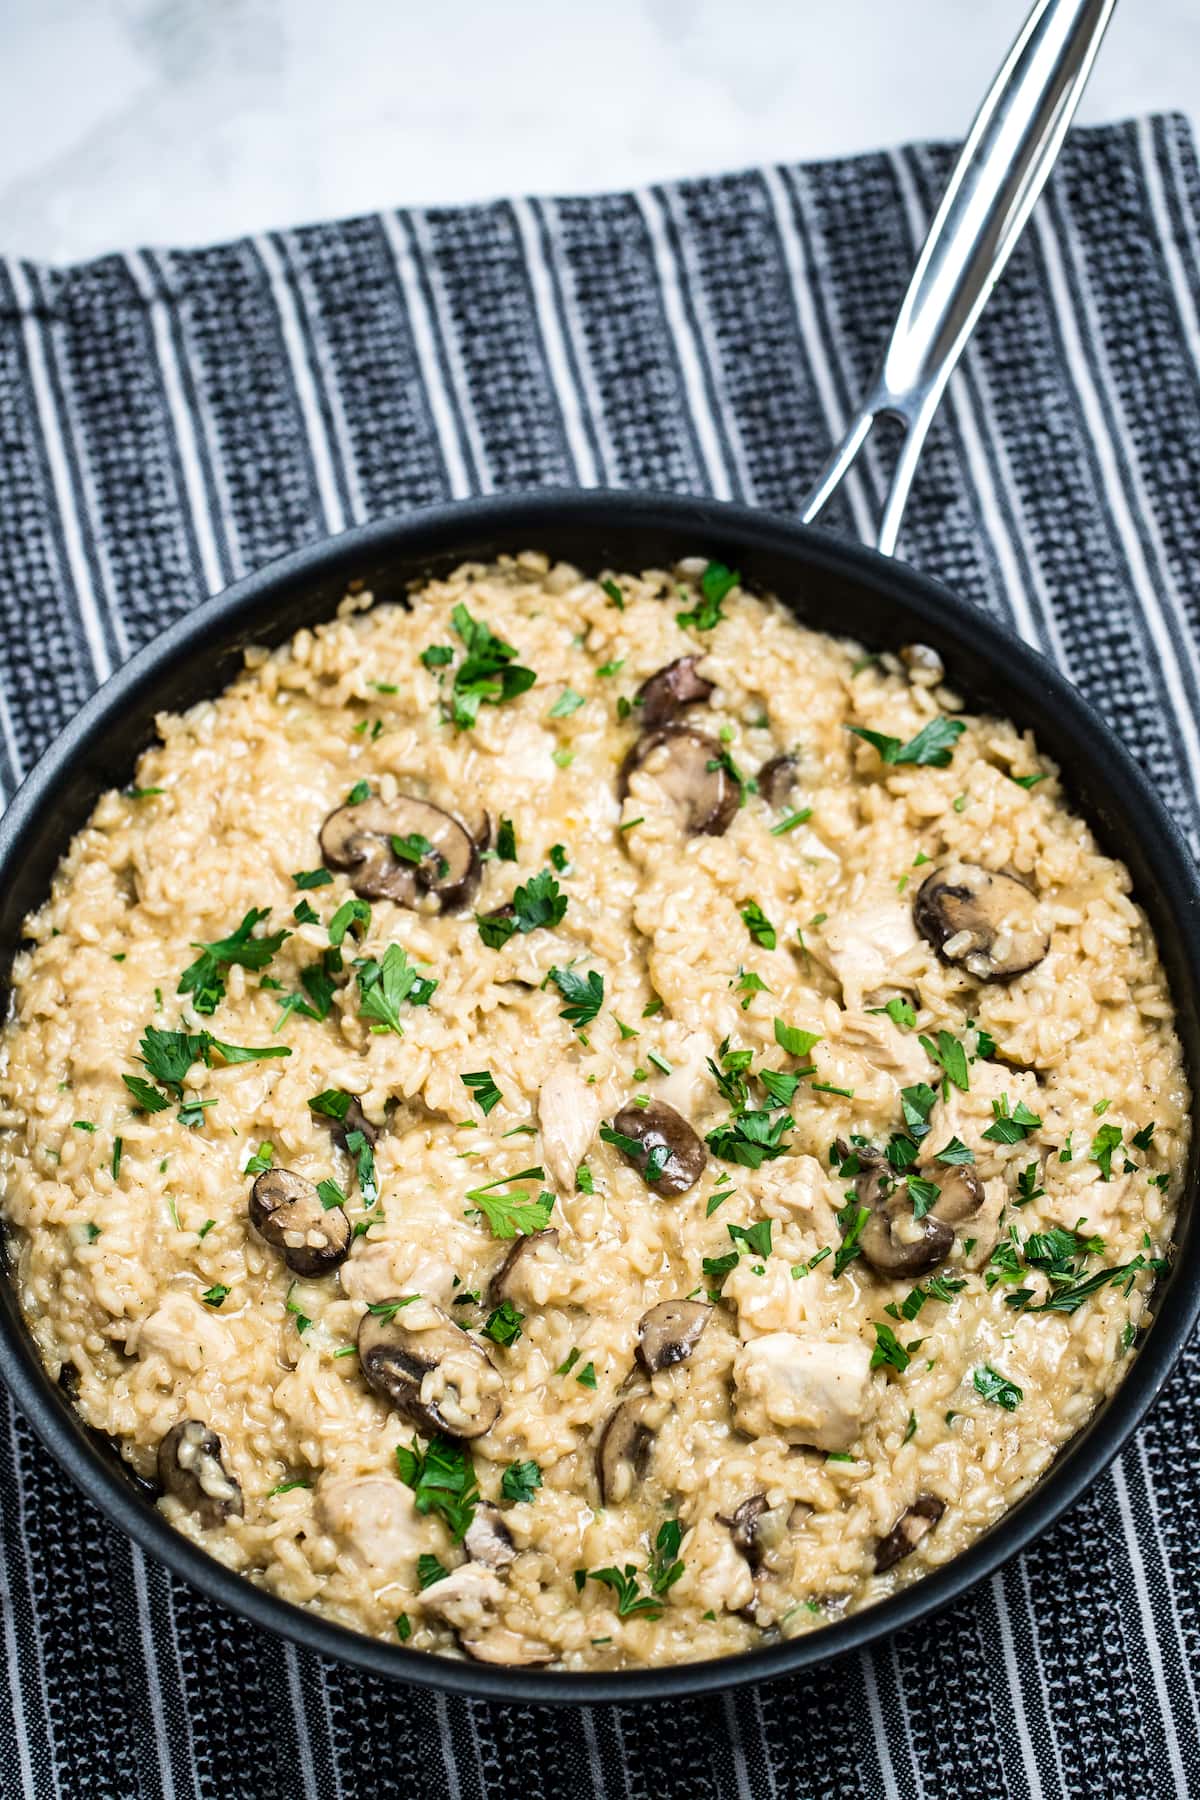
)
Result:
{"points": [[442, 1478], [583, 998], [751, 1137], [1104, 1143], [716, 582], [205, 977], [536, 903], [793, 1040], [383, 987], [630, 1601], [567, 703], [312, 878], [481, 1084], [429, 1570], [1010, 1128], [758, 925], [506, 841], [931, 748], [214, 1296], [997, 1388], [520, 1481], [950, 1056], [487, 674], [504, 1324], [510, 1212], [899, 1011]]}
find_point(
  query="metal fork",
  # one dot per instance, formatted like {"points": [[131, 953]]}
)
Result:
{"points": [[1011, 148]]}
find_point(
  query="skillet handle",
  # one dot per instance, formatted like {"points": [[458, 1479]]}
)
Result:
{"points": [[1011, 148]]}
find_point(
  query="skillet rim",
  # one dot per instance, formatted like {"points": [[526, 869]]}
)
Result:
{"points": [[463, 529]]}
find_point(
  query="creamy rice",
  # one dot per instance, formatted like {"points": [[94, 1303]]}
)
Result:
{"points": [[818, 1411]]}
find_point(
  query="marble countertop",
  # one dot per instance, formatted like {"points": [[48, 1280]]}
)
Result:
{"points": [[189, 121]]}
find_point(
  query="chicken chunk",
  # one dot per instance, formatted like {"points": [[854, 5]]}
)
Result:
{"points": [[808, 1391], [466, 1598], [569, 1111], [374, 1516], [380, 1271], [865, 946], [186, 1334]]}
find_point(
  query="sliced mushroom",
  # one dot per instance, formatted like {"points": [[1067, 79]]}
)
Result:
{"points": [[528, 1245], [688, 767], [893, 1241], [759, 1530], [501, 1645], [663, 695], [361, 839], [777, 778], [288, 1212], [623, 1453], [488, 1539], [912, 1525], [983, 921], [669, 1332], [923, 665], [671, 1157], [190, 1468], [429, 1369]]}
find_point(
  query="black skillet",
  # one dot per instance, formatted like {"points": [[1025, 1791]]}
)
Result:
{"points": [[828, 585]]}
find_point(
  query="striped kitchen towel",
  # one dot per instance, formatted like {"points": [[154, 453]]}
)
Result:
{"points": [[169, 420]]}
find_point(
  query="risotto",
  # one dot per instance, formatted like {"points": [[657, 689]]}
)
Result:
{"points": [[578, 1122]]}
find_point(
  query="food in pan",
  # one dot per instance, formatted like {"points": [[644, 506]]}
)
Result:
{"points": [[581, 1123]]}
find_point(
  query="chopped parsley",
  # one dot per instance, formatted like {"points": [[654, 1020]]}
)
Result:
{"points": [[583, 998], [567, 703], [330, 1194], [795, 1041], [955, 1152], [214, 1296], [383, 987], [791, 820], [488, 674], [429, 1570], [997, 1388], [666, 1567], [715, 584], [520, 1481], [750, 1137], [584, 1182], [614, 593], [205, 978], [851, 1218], [890, 1352], [1010, 1127], [931, 748], [756, 1238], [483, 1086], [748, 983], [623, 1582], [587, 1375], [139, 793], [117, 1150], [1028, 781], [168, 1055], [442, 1478], [1106, 1140], [403, 1627], [312, 878], [536, 903], [506, 841], [758, 925], [509, 1212], [950, 1057], [436, 656], [352, 916], [286, 1487], [899, 1011], [504, 1324]]}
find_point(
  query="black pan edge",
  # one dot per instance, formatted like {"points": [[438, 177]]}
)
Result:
{"points": [[828, 583]]}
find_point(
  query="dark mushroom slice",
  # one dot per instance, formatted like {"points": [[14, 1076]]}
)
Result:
{"points": [[488, 1540], [912, 1525], [691, 773], [669, 1332], [663, 695], [440, 871], [289, 1213], [623, 1453], [498, 1286], [777, 778], [981, 920], [759, 1530], [893, 1241], [670, 1158], [190, 1468], [923, 665], [439, 1377]]}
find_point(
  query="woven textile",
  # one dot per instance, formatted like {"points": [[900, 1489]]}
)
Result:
{"points": [[171, 420]]}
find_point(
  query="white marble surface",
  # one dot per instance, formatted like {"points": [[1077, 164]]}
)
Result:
{"points": [[188, 121]]}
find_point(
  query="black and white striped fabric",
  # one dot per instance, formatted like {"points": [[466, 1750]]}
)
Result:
{"points": [[169, 420]]}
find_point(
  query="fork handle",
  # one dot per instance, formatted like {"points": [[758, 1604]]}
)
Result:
{"points": [[1009, 152]]}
